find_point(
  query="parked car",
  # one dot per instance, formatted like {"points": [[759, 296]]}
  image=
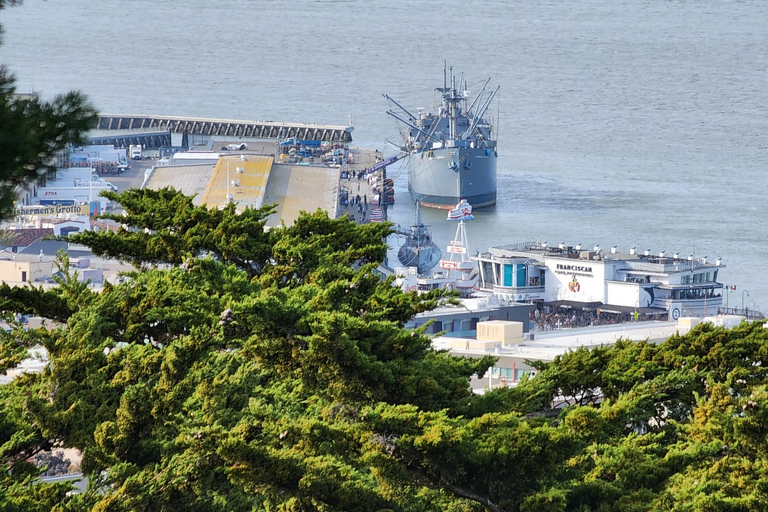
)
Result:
{"points": [[235, 147]]}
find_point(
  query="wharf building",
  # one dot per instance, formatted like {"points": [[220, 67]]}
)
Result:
{"points": [[652, 285]]}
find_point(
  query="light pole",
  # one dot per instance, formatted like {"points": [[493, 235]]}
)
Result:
{"points": [[742, 298], [229, 157]]}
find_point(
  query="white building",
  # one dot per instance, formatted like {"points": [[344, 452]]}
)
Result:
{"points": [[619, 282]]}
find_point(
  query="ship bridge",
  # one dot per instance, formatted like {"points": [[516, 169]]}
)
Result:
{"points": [[131, 125]]}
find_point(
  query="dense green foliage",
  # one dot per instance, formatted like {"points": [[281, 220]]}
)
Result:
{"points": [[212, 379]]}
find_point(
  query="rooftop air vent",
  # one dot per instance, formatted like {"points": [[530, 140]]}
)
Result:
{"points": [[676, 255], [647, 252], [719, 261], [240, 170], [632, 250], [663, 254], [613, 249]]}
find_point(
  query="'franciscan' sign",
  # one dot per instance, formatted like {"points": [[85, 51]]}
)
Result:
{"points": [[574, 268]]}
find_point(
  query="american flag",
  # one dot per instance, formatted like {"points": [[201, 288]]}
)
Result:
{"points": [[376, 215]]}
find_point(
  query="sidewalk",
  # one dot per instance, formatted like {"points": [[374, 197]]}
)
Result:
{"points": [[358, 187]]}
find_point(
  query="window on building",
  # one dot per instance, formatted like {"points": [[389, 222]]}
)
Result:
{"points": [[508, 271], [520, 373], [487, 273], [520, 271]]}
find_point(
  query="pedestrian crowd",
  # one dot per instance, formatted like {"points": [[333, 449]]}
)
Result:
{"points": [[552, 318]]}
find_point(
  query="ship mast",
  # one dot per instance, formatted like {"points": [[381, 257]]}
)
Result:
{"points": [[450, 102], [482, 111]]}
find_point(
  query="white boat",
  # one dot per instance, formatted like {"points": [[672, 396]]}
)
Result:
{"points": [[463, 211]]}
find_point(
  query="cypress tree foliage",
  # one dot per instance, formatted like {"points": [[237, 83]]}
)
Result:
{"points": [[284, 380]]}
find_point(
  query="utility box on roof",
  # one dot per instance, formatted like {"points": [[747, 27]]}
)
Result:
{"points": [[506, 332], [688, 321], [80, 262]]}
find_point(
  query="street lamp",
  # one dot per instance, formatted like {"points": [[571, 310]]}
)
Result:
{"points": [[742, 298], [229, 157]]}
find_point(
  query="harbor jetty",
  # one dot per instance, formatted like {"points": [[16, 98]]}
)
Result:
{"points": [[125, 129]]}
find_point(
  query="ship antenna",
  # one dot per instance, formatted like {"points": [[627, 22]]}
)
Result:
{"points": [[498, 120], [445, 75], [418, 212]]}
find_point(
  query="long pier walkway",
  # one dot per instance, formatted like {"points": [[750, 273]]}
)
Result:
{"points": [[225, 127]]}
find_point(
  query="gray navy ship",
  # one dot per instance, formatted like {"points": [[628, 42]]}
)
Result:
{"points": [[451, 154]]}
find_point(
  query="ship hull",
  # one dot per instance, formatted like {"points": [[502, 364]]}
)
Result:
{"points": [[441, 178]]}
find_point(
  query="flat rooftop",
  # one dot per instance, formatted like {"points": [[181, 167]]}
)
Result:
{"points": [[292, 187], [658, 261], [244, 177], [192, 179], [296, 188], [545, 346]]}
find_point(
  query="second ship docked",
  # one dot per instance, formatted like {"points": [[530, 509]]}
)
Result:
{"points": [[452, 153]]}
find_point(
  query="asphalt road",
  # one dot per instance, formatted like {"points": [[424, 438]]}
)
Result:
{"points": [[133, 177]]}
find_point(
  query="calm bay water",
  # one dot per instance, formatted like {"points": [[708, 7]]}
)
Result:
{"points": [[635, 123]]}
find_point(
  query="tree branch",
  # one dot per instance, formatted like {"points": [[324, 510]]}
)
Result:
{"points": [[464, 493]]}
